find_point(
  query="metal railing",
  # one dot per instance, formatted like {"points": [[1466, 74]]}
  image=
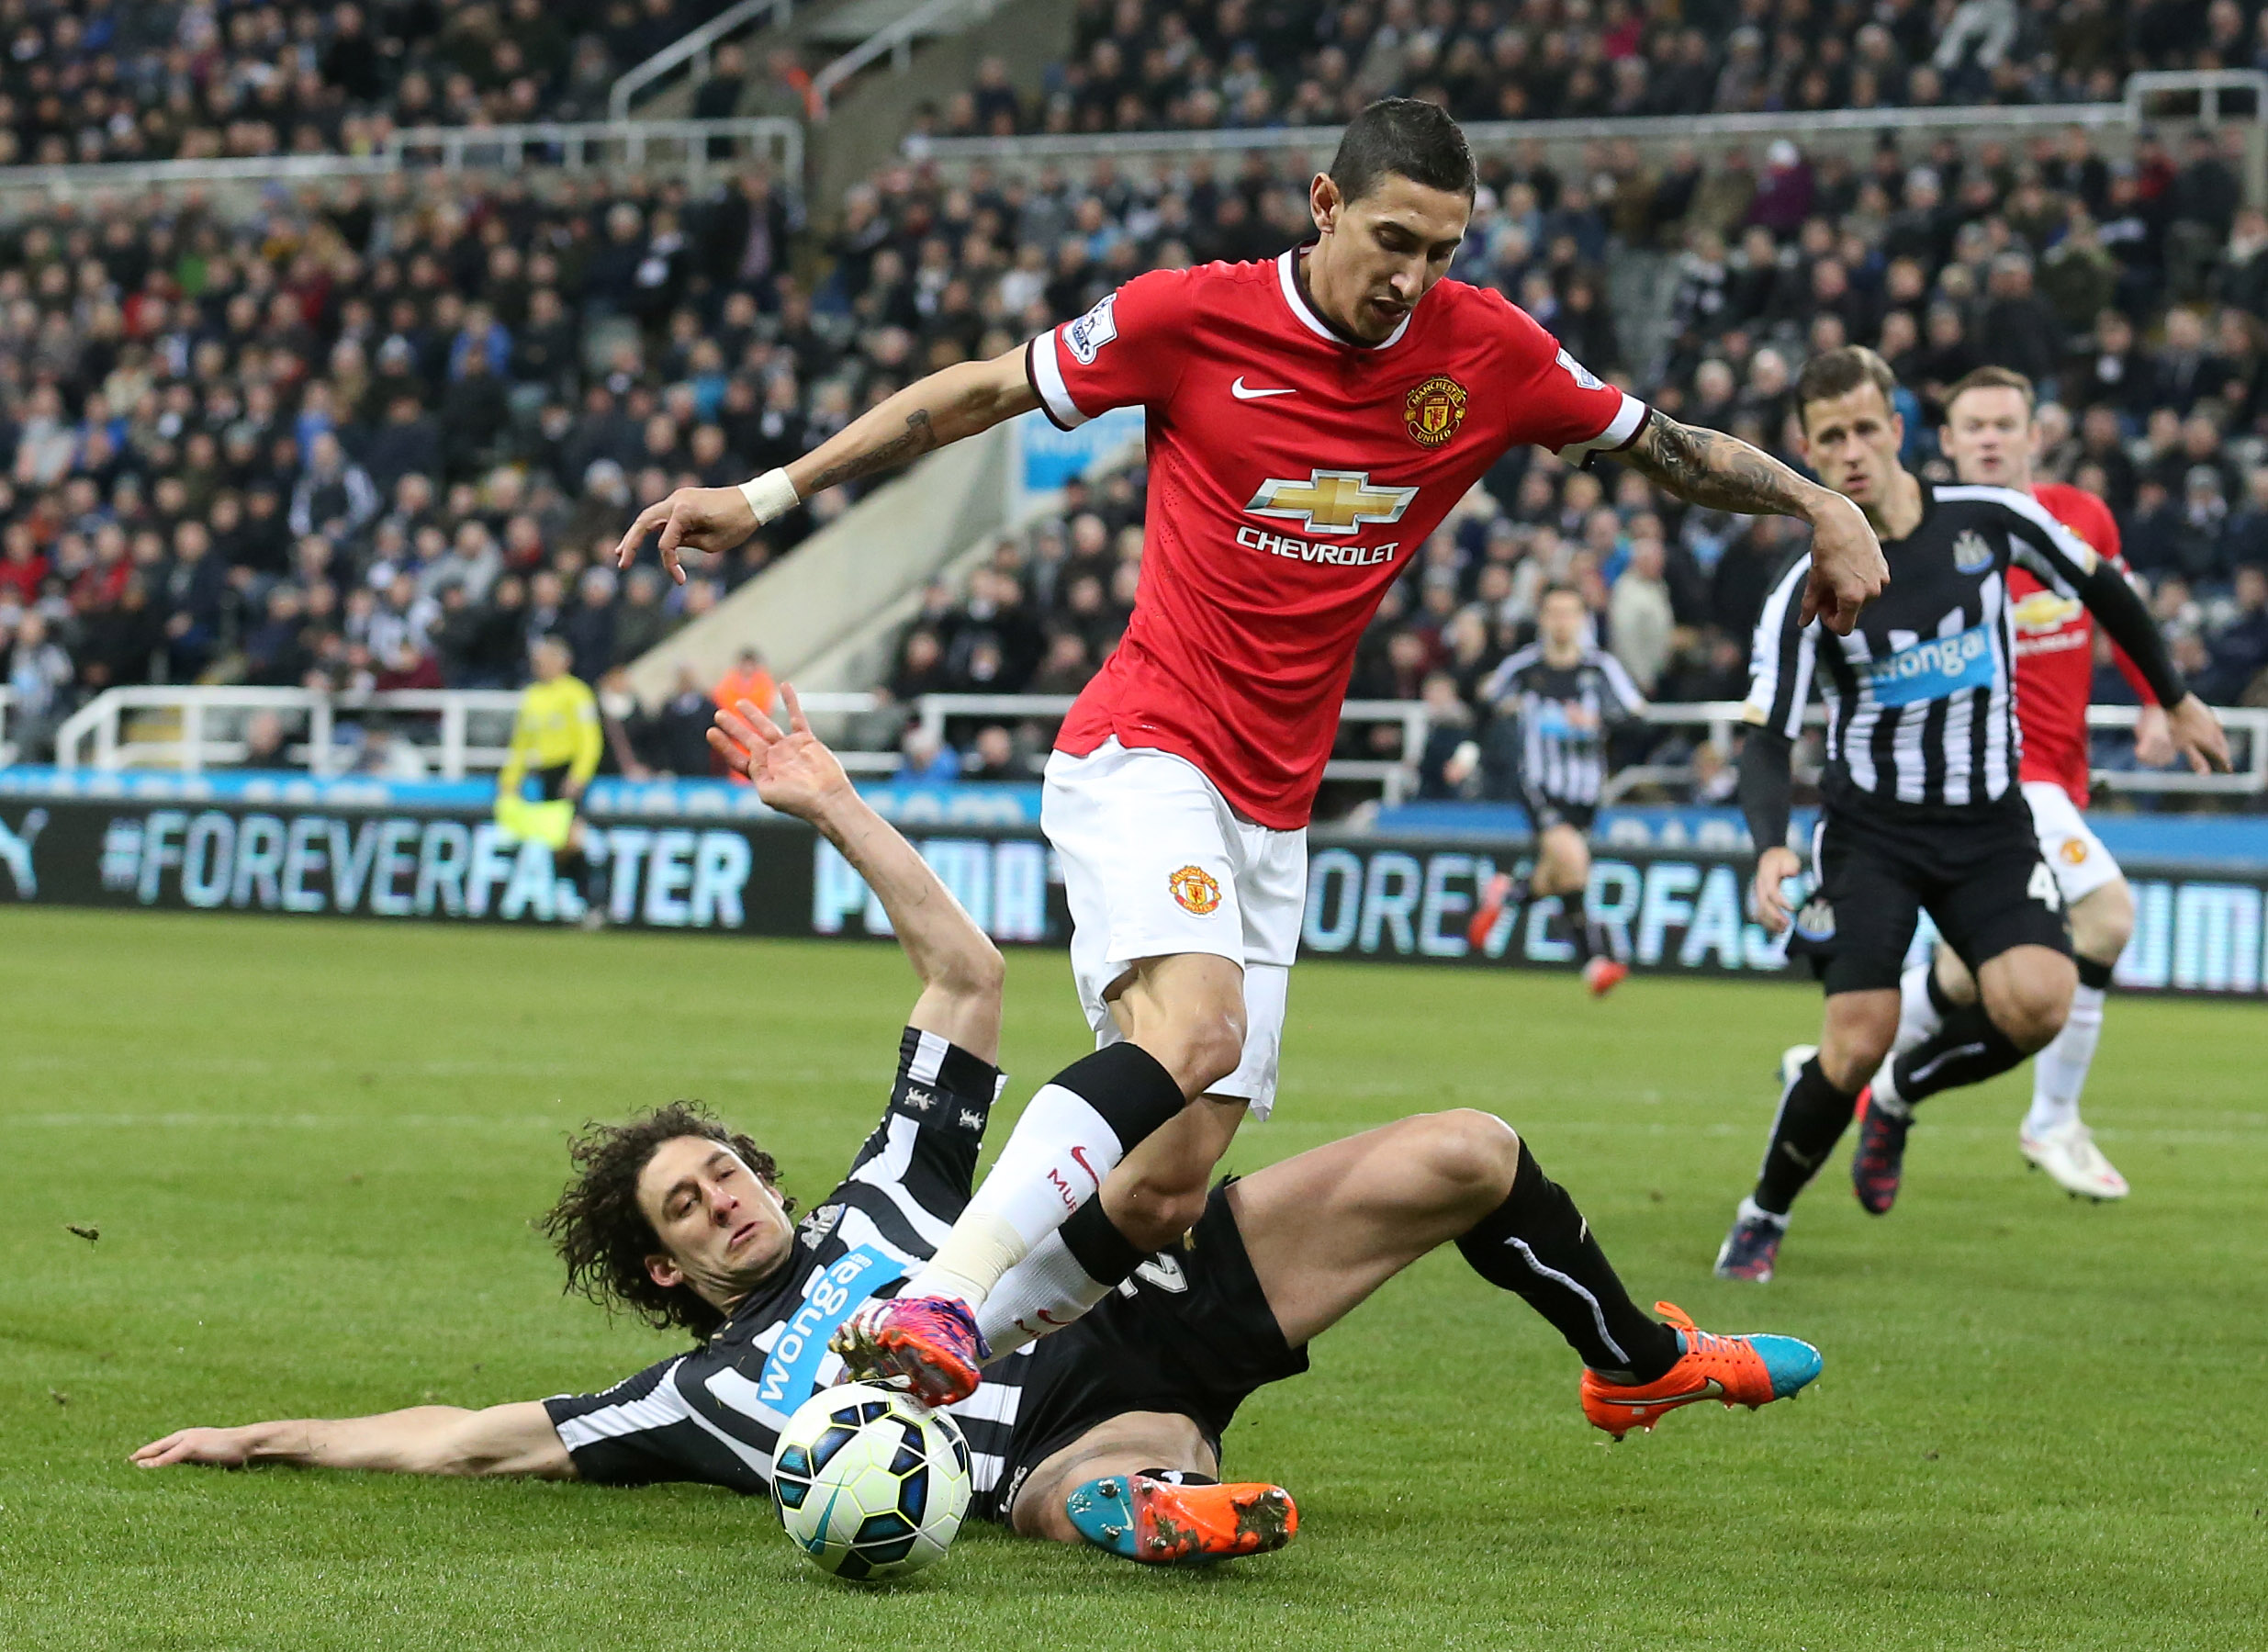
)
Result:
{"points": [[693, 52], [896, 42], [2140, 103], [571, 145], [196, 729]]}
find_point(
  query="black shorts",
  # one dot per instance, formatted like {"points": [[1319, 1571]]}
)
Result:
{"points": [[1977, 873], [1197, 1337], [1545, 810]]}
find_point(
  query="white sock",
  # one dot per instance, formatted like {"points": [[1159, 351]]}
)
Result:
{"points": [[1917, 1017], [2060, 1071], [1750, 1211], [1043, 1293], [1055, 1161]]}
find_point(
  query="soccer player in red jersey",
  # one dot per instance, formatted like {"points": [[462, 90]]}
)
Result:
{"points": [[1990, 438], [1311, 418]]}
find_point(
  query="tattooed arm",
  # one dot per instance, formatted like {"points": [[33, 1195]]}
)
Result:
{"points": [[958, 402], [1723, 473]]}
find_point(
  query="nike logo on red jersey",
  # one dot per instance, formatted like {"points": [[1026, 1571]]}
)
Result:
{"points": [[1245, 392]]}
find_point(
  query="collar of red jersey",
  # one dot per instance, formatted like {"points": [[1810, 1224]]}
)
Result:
{"points": [[1298, 302]]}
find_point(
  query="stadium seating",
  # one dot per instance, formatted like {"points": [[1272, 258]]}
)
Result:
{"points": [[377, 433], [1143, 64], [152, 80]]}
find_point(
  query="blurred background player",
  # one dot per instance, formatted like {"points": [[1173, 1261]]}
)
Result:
{"points": [[1920, 807], [1313, 419], [556, 740], [1990, 438], [1568, 695]]}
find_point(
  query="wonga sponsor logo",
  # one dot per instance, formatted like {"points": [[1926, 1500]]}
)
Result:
{"points": [[1934, 669]]}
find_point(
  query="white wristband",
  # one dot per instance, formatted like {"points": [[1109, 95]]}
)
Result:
{"points": [[771, 496]]}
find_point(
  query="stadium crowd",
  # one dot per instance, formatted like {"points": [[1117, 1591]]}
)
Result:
{"points": [[375, 434], [88, 81], [1144, 64]]}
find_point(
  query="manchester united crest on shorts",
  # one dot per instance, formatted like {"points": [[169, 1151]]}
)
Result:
{"points": [[1433, 410], [1194, 890]]}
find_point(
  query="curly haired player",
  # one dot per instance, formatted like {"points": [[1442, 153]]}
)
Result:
{"points": [[1107, 1433]]}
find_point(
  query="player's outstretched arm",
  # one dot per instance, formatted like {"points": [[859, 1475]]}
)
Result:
{"points": [[1719, 472], [957, 401], [503, 1440], [793, 772]]}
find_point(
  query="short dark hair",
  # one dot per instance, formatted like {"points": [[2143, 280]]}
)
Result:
{"points": [[601, 1231], [1989, 378], [1402, 137], [1833, 373], [1560, 587]]}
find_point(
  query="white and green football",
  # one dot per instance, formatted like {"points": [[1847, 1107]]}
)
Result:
{"points": [[870, 1483]]}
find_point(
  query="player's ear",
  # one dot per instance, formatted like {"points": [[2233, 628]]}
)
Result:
{"points": [[663, 1270], [1323, 202]]}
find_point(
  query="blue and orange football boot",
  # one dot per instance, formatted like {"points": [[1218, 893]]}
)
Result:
{"points": [[1160, 1522], [1738, 1370], [929, 1346]]}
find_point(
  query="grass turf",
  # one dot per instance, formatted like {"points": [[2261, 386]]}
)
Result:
{"points": [[311, 1151]]}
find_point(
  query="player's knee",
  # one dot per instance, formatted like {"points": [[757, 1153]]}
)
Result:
{"points": [[1210, 1045], [2030, 1007], [1153, 1214], [2103, 923], [1471, 1154]]}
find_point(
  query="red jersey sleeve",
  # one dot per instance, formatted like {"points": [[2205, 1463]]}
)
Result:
{"points": [[2091, 519], [1126, 352], [1553, 400]]}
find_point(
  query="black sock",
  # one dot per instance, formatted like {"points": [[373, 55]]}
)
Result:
{"points": [[572, 865], [1537, 1245], [1177, 1476], [2094, 973], [1967, 1049], [1130, 1089], [1580, 930], [1938, 999], [1098, 1245], [1812, 1115]]}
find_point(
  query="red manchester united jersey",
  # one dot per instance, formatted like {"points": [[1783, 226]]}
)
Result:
{"points": [[1293, 477], [2055, 650]]}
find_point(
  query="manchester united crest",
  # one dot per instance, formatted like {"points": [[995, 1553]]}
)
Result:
{"points": [[1433, 410], [1194, 890]]}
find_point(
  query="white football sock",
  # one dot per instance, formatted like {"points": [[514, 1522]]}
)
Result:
{"points": [[1917, 1015], [1043, 1293], [1072, 1134], [2060, 1071]]}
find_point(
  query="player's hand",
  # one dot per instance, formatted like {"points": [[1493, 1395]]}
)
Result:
{"points": [[214, 1447], [1847, 568], [2153, 737], [701, 519], [795, 772], [1774, 867], [573, 789], [2197, 733]]}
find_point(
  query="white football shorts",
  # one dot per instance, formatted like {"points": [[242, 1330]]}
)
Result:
{"points": [[1155, 862], [2081, 864]]}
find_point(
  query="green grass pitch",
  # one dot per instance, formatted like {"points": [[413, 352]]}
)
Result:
{"points": [[312, 1149]]}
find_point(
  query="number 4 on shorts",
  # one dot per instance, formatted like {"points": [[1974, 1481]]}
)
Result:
{"points": [[2042, 887]]}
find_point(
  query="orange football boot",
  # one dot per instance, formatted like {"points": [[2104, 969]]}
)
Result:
{"points": [[1739, 1370], [1141, 1517], [1603, 975]]}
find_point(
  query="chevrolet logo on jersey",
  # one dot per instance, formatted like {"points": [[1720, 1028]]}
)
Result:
{"points": [[1331, 501], [2042, 612]]}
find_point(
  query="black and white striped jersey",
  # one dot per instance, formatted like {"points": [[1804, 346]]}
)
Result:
{"points": [[1565, 713], [1921, 695], [715, 1414]]}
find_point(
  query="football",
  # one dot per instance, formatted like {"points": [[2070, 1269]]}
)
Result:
{"points": [[870, 1483]]}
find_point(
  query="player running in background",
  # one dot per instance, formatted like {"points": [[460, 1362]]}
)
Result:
{"points": [[1109, 1433], [1568, 695], [1921, 808], [1311, 419], [555, 737], [1990, 438]]}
